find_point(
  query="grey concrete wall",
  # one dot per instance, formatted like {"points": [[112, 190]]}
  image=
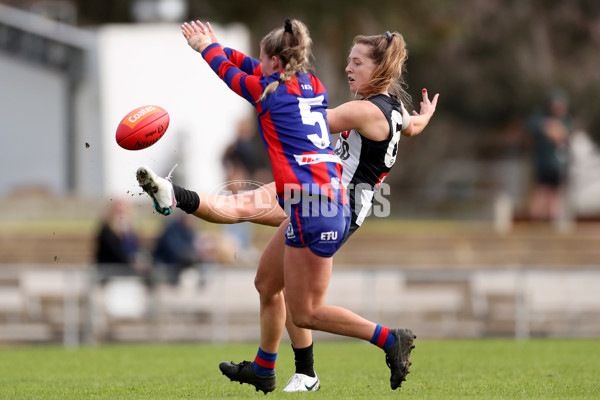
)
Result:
{"points": [[32, 127]]}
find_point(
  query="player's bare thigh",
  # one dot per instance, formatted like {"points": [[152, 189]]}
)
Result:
{"points": [[258, 206]]}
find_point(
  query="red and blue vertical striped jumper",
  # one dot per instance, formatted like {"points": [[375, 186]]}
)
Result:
{"points": [[292, 122]]}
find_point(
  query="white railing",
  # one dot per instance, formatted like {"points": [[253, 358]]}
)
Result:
{"points": [[74, 305]]}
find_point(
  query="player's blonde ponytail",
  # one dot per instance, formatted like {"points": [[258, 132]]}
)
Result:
{"points": [[292, 44]]}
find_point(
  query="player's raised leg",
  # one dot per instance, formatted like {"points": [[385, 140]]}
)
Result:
{"points": [[258, 206]]}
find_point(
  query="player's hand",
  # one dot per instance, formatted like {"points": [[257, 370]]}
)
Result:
{"points": [[419, 120], [427, 106], [197, 35]]}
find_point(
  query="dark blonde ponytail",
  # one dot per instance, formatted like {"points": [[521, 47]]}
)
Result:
{"points": [[292, 44]]}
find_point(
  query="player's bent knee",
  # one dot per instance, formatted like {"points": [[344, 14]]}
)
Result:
{"points": [[261, 286], [267, 288], [303, 320]]}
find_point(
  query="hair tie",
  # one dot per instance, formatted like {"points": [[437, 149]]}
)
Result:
{"points": [[388, 36], [288, 26]]}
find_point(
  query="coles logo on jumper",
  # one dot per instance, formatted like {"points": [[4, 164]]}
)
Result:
{"points": [[139, 114]]}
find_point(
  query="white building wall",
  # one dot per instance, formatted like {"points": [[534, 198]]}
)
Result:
{"points": [[152, 64]]}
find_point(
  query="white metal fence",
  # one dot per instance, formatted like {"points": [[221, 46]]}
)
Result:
{"points": [[74, 306]]}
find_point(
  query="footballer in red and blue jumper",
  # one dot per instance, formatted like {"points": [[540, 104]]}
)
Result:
{"points": [[293, 125]]}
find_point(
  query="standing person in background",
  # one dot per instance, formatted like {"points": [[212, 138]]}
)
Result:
{"points": [[550, 130], [240, 158], [242, 162]]}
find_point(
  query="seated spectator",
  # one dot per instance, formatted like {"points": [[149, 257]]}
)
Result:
{"points": [[176, 248], [117, 243]]}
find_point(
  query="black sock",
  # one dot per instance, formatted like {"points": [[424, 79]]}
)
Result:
{"points": [[187, 200], [304, 361]]}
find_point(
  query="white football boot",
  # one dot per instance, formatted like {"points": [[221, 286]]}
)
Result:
{"points": [[160, 189], [302, 383]]}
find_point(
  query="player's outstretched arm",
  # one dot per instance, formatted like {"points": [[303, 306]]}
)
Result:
{"points": [[258, 206]]}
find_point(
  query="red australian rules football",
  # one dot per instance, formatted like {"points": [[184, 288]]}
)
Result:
{"points": [[142, 127]]}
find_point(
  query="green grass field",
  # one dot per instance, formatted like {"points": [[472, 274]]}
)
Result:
{"points": [[474, 369]]}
